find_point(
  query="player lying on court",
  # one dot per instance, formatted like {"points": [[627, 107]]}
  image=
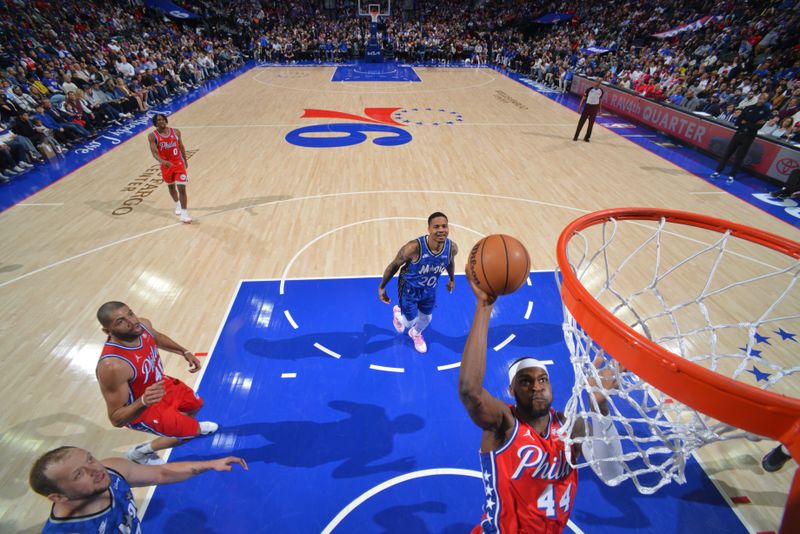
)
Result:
{"points": [[529, 484], [91, 495], [137, 392], [166, 145], [421, 263]]}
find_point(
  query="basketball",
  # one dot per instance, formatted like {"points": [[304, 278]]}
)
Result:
{"points": [[498, 264]]}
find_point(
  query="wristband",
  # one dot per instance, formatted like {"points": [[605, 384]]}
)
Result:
{"points": [[143, 402], [186, 352]]}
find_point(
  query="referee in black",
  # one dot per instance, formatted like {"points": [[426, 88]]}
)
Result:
{"points": [[747, 126], [592, 98]]}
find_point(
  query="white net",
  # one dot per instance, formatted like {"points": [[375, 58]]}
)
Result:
{"points": [[722, 302]]}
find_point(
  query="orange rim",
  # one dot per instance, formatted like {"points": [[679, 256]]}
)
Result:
{"points": [[726, 399]]}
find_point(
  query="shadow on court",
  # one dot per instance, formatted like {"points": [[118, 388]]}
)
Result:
{"points": [[405, 519], [356, 442], [374, 339]]}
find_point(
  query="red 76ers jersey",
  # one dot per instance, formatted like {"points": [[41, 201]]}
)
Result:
{"points": [[144, 361], [168, 146], [528, 483]]}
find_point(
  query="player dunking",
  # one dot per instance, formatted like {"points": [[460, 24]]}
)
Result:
{"points": [[166, 146], [529, 485], [137, 392], [422, 260]]}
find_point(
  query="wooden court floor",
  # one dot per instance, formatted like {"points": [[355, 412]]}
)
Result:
{"points": [[509, 166]]}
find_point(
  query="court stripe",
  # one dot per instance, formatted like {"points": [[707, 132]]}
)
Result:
{"points": [[327, 351], [152, 490], [361, 89], [448, 366], [508, 340], [349, 276], [387, 369], [288, 375], [336, 195], [290, 319], [528, 311], [355, 503], [334, 230]]}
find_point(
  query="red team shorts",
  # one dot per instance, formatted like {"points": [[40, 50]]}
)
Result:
{"points": [[168, 416], [175, 173]]}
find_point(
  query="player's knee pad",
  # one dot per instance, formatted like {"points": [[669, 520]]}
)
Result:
{"points": [[423, 320]]}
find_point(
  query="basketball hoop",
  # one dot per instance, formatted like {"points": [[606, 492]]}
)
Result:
{"points": [[649, 289], [374, 12]]}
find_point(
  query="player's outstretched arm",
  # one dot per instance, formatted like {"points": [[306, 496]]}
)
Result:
{"points": [[167, 343], [485, 410], [139, 475], [409, 252]]}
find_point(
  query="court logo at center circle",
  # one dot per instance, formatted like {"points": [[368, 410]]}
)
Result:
{"points": [[336, 135]]}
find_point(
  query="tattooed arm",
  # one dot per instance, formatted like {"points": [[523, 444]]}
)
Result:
{"points": [[147, 475], [409, 252]]}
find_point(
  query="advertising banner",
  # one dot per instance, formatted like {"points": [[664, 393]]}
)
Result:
{"points": [[765, 157]]}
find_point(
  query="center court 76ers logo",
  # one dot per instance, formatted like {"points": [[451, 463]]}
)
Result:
{"points": [[335, 135]]}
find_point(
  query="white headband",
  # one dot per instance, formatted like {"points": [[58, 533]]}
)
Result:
{"points": [[524, 364]]}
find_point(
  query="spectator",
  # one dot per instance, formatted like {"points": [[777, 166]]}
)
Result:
{"points": [[729, 115], [770, 127], [23, 126], [21, 100], [65, 134]]}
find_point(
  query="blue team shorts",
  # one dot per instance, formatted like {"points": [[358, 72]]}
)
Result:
{"points": [[415, 300]]}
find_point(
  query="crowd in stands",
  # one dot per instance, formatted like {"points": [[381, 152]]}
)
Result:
{"points": [[72, 68], [749, 48], [69, 69]]}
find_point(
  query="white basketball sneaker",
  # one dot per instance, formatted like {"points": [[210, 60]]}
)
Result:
{"points": [[208, 427], [178, 209], [138, 456], [419, 341], [398, 324]]}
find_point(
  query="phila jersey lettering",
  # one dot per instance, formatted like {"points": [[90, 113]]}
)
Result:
{"points": [[144, 361], [528, 483], [168, 146]]}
